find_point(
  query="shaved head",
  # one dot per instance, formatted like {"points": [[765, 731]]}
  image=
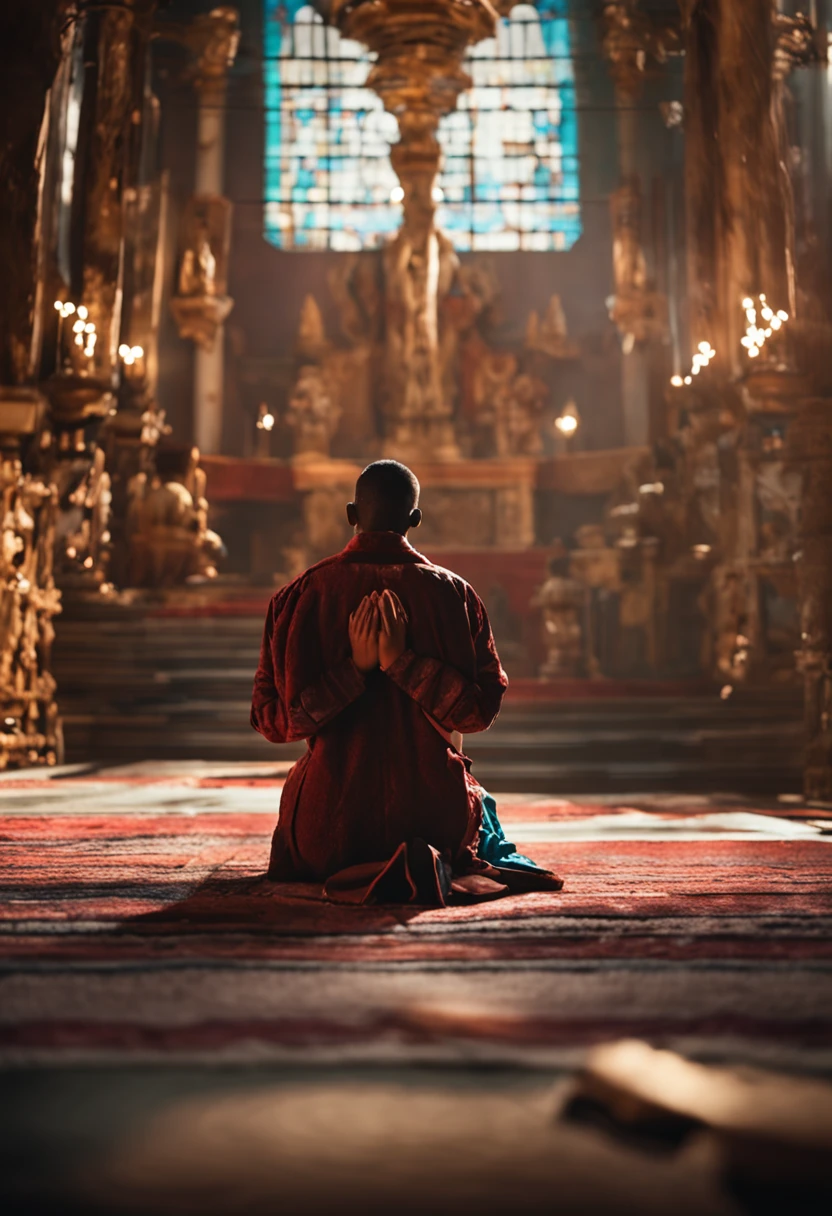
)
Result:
{"points": [[386, 498]]}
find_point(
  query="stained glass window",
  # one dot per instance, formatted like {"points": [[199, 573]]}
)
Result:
{"points": [[509, 176]]}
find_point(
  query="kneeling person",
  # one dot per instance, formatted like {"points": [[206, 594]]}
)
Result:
{"points": [[382, 661]]}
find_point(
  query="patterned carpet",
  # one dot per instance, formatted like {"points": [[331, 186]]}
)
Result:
{"points": [[137, 926]]}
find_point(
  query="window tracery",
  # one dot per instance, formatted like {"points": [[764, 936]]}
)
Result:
{"points": [[509, 178]]}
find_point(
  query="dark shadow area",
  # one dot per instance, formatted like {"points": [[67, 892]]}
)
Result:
{"points": [[255, 904], [58, 1127], [228, 1139], [662, 1134]]}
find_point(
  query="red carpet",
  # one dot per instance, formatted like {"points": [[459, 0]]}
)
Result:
{"points": [[150, 931], [88, 868]]}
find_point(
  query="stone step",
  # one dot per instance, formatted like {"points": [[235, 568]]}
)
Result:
{"points": [[131, 673], [597, 761], [232, 719], [179, 687], [766, 775]]}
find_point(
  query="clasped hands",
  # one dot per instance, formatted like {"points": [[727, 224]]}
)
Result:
{"points": [[378, 631]]}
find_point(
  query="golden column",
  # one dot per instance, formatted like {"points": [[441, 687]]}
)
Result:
{"points": [[419, 47], [742, 267], [632, 41], [202, 304]]}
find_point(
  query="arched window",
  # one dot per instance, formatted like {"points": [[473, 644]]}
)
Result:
{"points": [[509, 177]]}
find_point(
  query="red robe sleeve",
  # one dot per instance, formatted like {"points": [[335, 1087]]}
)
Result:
{"points": [[296, 692], [453, 700]]}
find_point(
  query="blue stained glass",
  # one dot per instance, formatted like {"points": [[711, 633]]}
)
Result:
{"points": [[510, 173]]}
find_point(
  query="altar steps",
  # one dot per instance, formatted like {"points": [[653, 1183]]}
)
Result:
{"points": [[175, 687]]}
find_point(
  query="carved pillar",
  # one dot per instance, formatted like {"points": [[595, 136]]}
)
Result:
{"points": [[810, 434], [418, 75], [740, 231], [131, 432], [95, 124], [29, 726], [810, 441], [631, 39], [100, 246], [741, 242], [29, 729], [202, 303]]}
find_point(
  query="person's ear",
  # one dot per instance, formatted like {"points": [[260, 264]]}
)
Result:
{"points": [[352, 515], [415, 518]]}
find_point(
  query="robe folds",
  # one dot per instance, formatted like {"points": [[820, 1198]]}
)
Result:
{"points": [[380, 771]]}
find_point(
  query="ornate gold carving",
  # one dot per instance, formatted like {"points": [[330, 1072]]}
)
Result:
{"points": [[795, 44], [74, 399], [213, 38], [29, 727], [201, 304], [637, 309], [167, 529], [83, 530], [418, 75], [312, 414], [311, 339], [560, 600], [549, 334], [810, 448], [200, 317], [631, 39], [509, 406]]}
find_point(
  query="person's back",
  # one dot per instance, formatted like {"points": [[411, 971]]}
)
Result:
{"points": [[376, 656]]}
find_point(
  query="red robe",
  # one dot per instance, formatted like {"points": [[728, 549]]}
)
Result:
{"points": [[377, 773]]}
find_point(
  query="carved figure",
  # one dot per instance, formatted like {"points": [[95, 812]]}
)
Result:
{"points": [[311, 339], [352, 374], [170, 542], [508, 407], [467, 293], [202, 303], [561, 602], [419, 417], [198, 272], [493, 382], [479, 283], [550, 335], [633, 37], [82, 531], [214, 38], [355, 290], [417, 73], [520, 432], [312, 414], [638, 310]]}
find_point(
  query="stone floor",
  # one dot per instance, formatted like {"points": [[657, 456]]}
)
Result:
{"points": [[178, 1035]]}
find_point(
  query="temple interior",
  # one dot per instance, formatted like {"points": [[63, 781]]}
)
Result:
{"points": [[571, 262]]}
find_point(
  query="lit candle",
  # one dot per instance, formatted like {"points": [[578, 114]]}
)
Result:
{"points": [[130, 357], [64, 310]]}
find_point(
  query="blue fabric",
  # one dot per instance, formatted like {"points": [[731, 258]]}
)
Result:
{"points": [[493, 846]]}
